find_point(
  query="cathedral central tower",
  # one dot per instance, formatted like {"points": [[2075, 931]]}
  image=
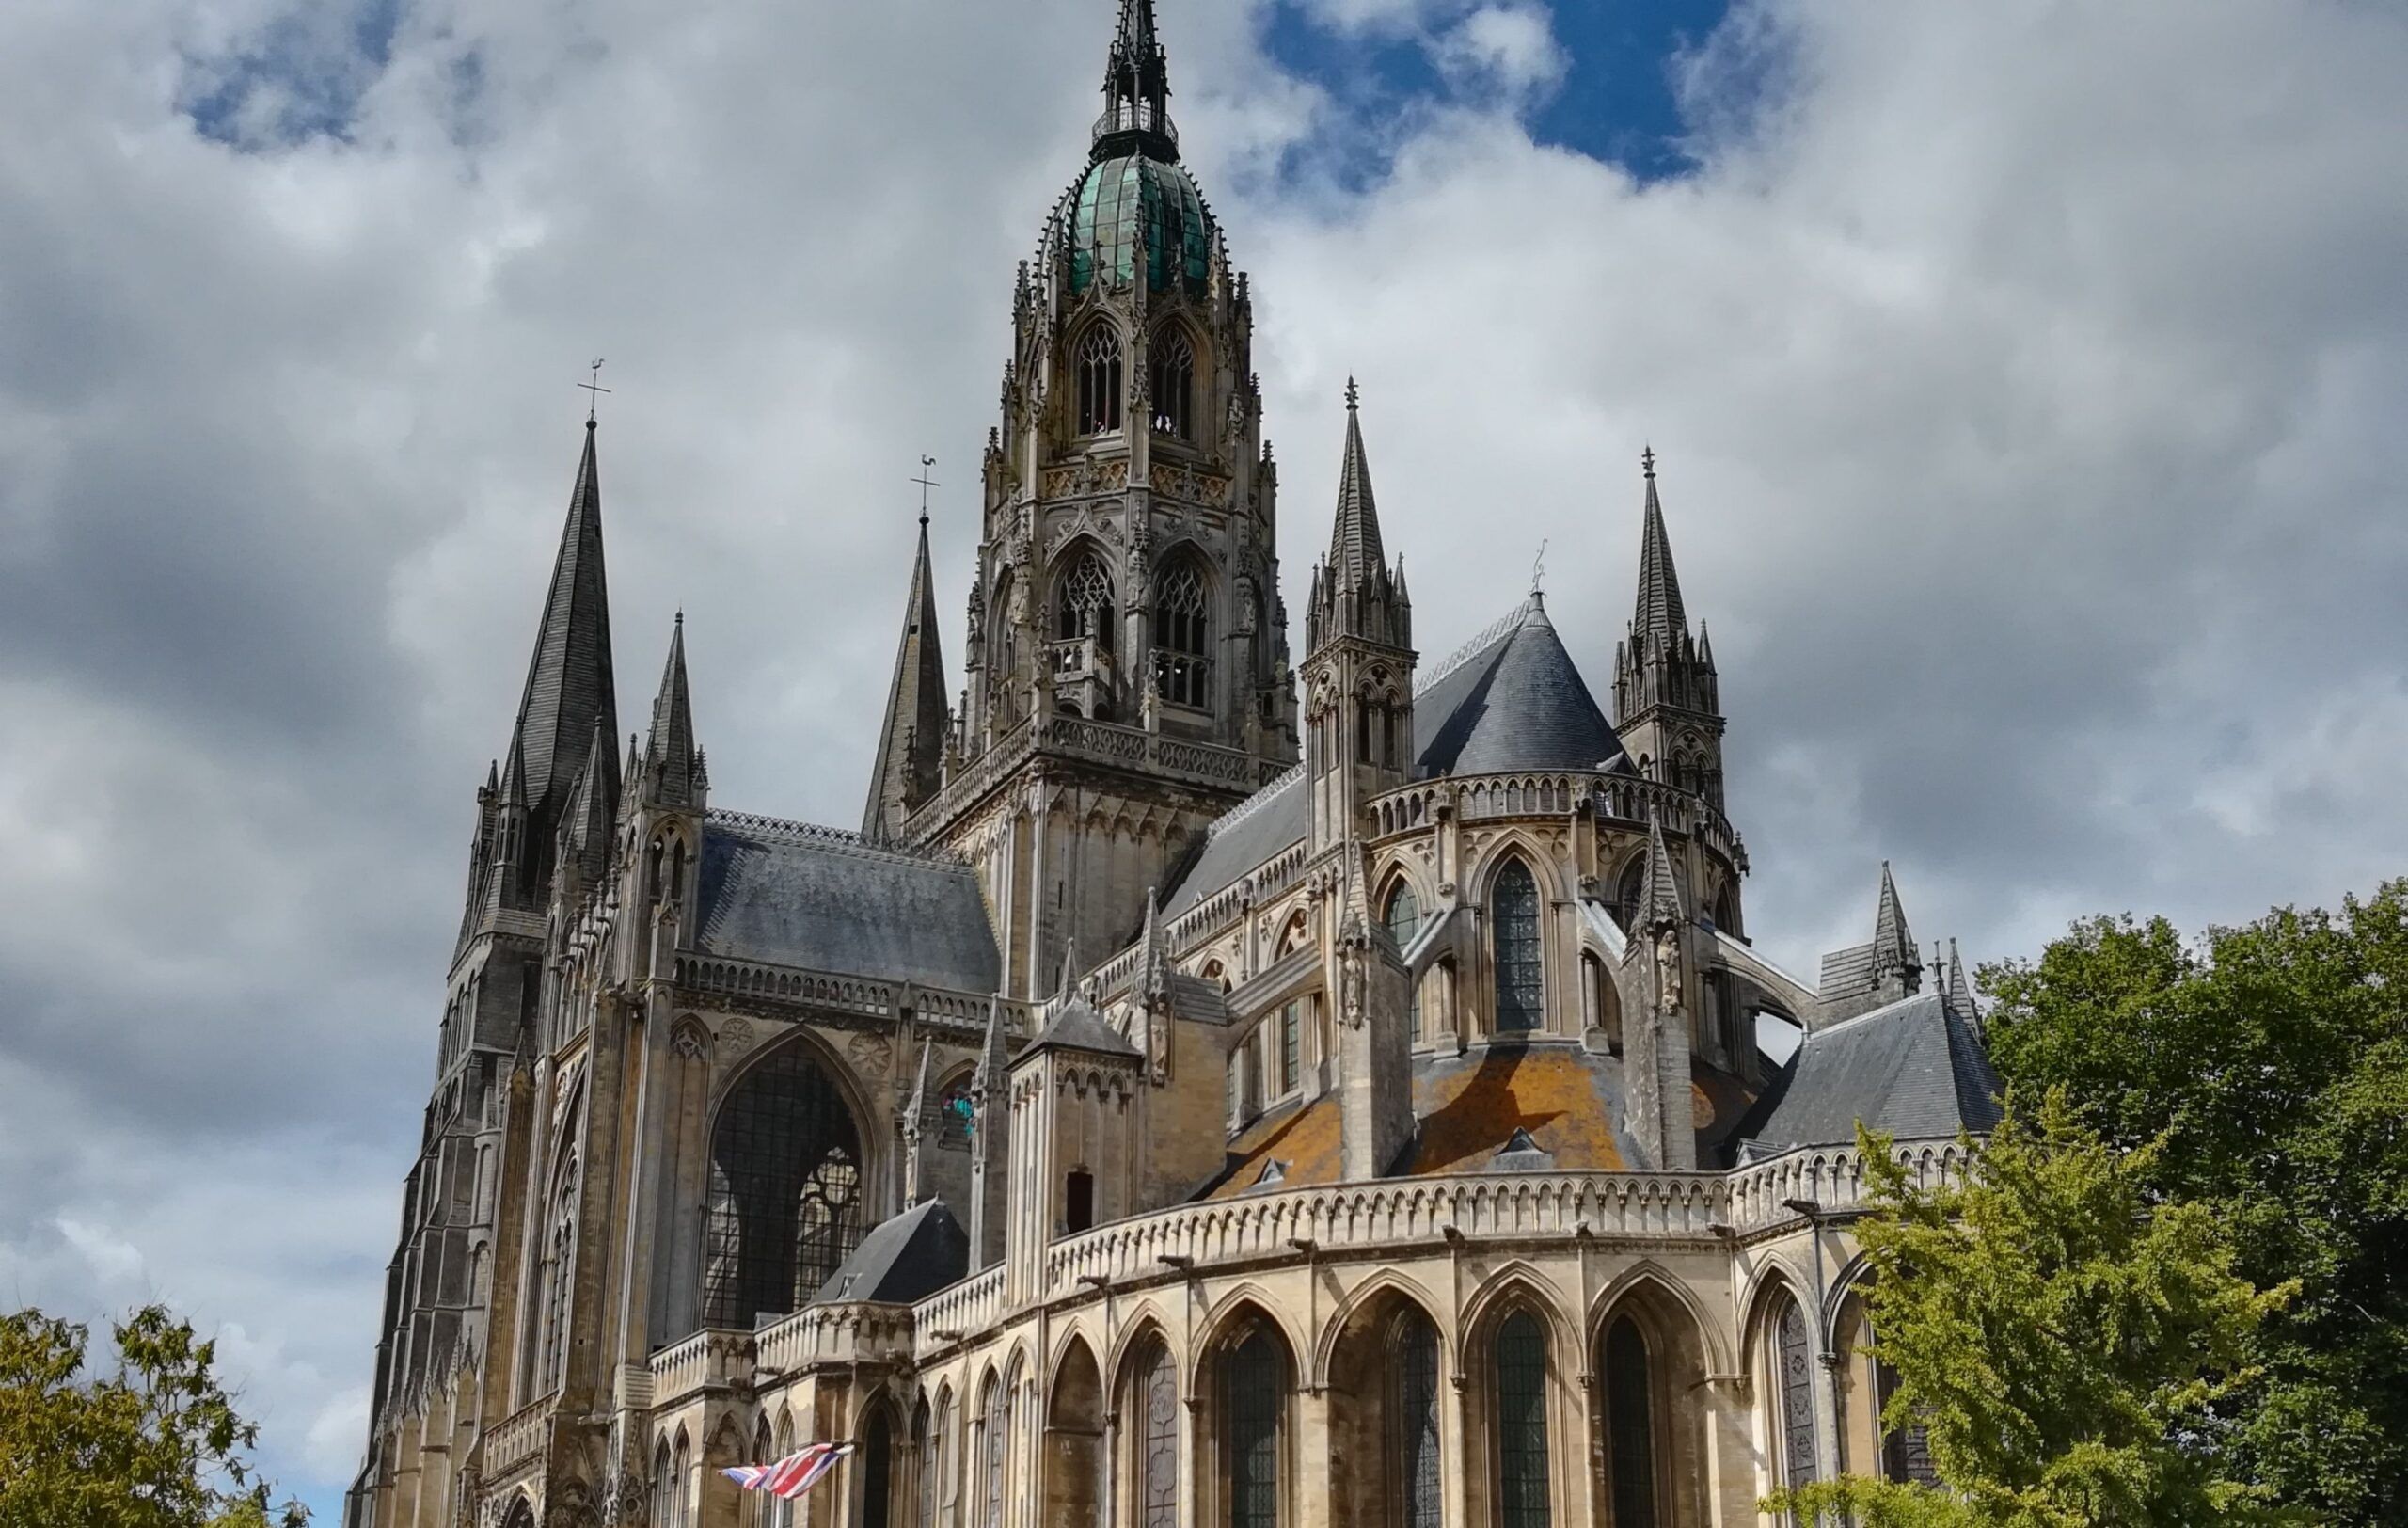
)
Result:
{"points": [[1127, 656]]}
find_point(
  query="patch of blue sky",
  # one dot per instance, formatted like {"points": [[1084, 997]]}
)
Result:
{"points": [[298, 77], [1617, 100]]}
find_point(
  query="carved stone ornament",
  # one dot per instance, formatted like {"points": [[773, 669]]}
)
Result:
{"points": [[1354, 979], [871, 1055], [735, 1039], [1667, 971], [691, 1039]]}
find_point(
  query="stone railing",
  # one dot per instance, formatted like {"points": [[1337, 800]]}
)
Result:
{"points": [[978, 777], [1621, 799], [858, 1331], [1275, 875], [1106, 742], [712, 1358], [861, 995], [517, 1438], [1833, 1177], [966, 1307], [1361, 1217]]}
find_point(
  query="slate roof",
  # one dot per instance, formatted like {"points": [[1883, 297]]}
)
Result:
{"points": [[1078, 1027], [1512, 700], [815, 897], [1913, 1068], [904, 1259]]}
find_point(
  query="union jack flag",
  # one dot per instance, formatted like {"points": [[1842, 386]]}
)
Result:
{"points": [[792, 1475]]}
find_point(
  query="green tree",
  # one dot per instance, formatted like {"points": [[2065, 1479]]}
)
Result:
{"points": [[2269, 1066], [2069, 1352], [154, 1443]]}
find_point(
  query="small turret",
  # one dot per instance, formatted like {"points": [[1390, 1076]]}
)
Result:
{"points": [[1668, 699], [1359, 666], [673, 767], [911, 743], [1897, 969]]}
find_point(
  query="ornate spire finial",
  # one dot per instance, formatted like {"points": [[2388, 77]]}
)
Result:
{"points": [[1353, 395], [926, 483], [594, 389], [1647, 462]]}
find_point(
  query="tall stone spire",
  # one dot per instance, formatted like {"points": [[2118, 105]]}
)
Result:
{"points": [[672, 764], [1659, 619], [1137, 91], [1897, 969], [910, 744], [1355, 555], [569, 687]]}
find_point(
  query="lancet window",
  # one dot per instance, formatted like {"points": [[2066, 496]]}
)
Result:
{"points": [[560, 1266], [1413, 1427], [992, 1428], [1521, 976], [1098, 376], [1157, 1401], [1252, 1381], [1086, 606], [1630, 1424], [1794, 1376], [1521, 1423]]}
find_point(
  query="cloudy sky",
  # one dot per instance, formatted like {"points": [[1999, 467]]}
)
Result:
{"points": [[2027, 379]]}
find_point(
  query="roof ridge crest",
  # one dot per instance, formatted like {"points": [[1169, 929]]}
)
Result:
{"points": [[844, 840], [1255, 802], [1496, 630]]}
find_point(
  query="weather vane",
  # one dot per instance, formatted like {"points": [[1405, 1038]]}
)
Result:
{"points": [[926, 483], [1538, 572], [596, 390]]}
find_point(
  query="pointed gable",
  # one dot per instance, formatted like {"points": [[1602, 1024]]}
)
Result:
{"points": [[910, 743]]}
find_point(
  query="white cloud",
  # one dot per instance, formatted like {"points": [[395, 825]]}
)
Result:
{"points": [[2025, 384]]}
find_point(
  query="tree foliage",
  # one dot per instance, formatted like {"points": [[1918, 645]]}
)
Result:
{"points": [[2267, 1071], [156, 1442], [2070, 1351]]}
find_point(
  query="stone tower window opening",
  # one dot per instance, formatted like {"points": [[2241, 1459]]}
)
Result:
{"points": [[1629, 891], [1099, 389], [1253, 1378], [1521, 967], [1086, 606], [1401, 913], [1521, 1423], [1182, 638], [955, 1110], [1630, 1426], [1078, 1202], [1413, 1431], [1174, 383], [878, 1467], [560, 1269], [785, 1201], [1292, 1034]]}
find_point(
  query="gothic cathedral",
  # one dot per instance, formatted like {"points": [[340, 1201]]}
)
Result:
{"points": [[1216, 1087]]}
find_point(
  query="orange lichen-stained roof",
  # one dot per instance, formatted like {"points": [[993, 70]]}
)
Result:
{"points": [[1567, 1099]]}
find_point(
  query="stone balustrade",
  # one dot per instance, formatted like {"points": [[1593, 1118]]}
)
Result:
{"points": [[712, 1358], [968, 1307], [850, 1333], [935, 1009], [1624, 801], [517, 1439]]}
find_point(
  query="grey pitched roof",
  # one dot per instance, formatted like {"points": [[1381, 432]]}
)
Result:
{"points": [[904, 1259], [1268, 820], [1078, 1026], [1517, 702], [1913, 1068], [794, 895]]}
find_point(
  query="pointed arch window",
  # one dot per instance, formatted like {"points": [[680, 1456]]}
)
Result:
{"points": [[877, 1469], [1086, 605], [560, 1266], [1629, 891], [1521, 975], [1414, 1421], [1183, 637], [785, 1192], [664, 1486], [1402, 915], [1098, 376], [936, 1454], [1157, 1400], [1521, 1424], [1794, 1378], [777, 1512], [1630, 1424], [992, 1428], [1174, 382], [1251, 1378]]}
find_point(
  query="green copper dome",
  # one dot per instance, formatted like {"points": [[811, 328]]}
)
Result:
{"points": [[1129, 203]]}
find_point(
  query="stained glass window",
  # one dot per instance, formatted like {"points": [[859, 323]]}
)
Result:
{"points": [[1796, 1378], [1520, 972], [1182, 643], [1085, 607], [1252, 1378], [1099, 372], [1404, 915], [1414, 1421], [1174, 383], [1630, 1422], [785, 1206], [1521, 1423], [560, 1266], [1158, 1464]]}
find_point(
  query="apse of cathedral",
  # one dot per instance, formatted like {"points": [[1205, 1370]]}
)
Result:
{"points": [[1226, 1081]]}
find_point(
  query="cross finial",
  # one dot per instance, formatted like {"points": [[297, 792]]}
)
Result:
{"points": [[926, 483], [1353, 395], [595, 391], [1647, 462]]}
